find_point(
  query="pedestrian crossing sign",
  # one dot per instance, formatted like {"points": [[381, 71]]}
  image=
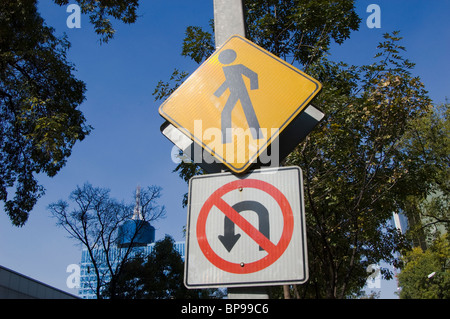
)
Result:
{"points": [[239, 101]]}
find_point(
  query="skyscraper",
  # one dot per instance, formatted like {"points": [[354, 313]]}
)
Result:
{"points": [[134, 237], [137, 231]]}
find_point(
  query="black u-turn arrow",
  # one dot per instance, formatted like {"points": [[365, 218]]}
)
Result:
{"points": [[229, 238]]}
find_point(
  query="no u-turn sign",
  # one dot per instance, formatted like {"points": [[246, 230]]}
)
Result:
{"points": [[247, 230]]}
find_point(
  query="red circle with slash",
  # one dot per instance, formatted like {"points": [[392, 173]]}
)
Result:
{"points": [[274, 251]]}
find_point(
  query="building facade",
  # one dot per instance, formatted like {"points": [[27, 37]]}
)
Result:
{"points": [[14, 285], [88, 278]]}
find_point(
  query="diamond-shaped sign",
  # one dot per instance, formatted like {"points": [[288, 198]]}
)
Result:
{"points": [[238, 102]]}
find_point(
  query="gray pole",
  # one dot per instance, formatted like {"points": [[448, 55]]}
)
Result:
{"points": [[228, 21]]}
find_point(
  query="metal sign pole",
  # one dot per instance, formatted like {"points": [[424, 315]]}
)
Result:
{"points": [[228, 21], [248, 293]]}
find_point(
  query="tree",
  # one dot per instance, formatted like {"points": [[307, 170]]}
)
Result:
{"points": [[157, 276], [39, 97], [94, 222], [101, 12], [354, 163], [426, 274], [356, 170], [300, 31], [296, 30], [164, 269], [428, 211]]}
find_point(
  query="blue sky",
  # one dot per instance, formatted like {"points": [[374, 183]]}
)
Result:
{"points": [[126, 147]]}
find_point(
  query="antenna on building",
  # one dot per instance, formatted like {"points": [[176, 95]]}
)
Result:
{"points": [[137, 213]]}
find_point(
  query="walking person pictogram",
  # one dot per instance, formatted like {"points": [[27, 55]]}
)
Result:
{"points": [[238, 92]]}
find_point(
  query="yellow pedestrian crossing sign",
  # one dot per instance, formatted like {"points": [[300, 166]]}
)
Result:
{"points": [[238, 102]]}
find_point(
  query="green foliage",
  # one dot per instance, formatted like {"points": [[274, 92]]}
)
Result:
{"points": [[101, 12], [39, 97], [300, 30], [198, 44], [355, 169], [165, 89], [166, 269], [428, 209], [426, 274]]}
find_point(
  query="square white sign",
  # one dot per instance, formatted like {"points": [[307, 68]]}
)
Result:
{"points": [[246, 230]]}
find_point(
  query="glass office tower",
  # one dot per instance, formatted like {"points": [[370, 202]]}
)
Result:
{"points": [[135, 234], [88, 278]]}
